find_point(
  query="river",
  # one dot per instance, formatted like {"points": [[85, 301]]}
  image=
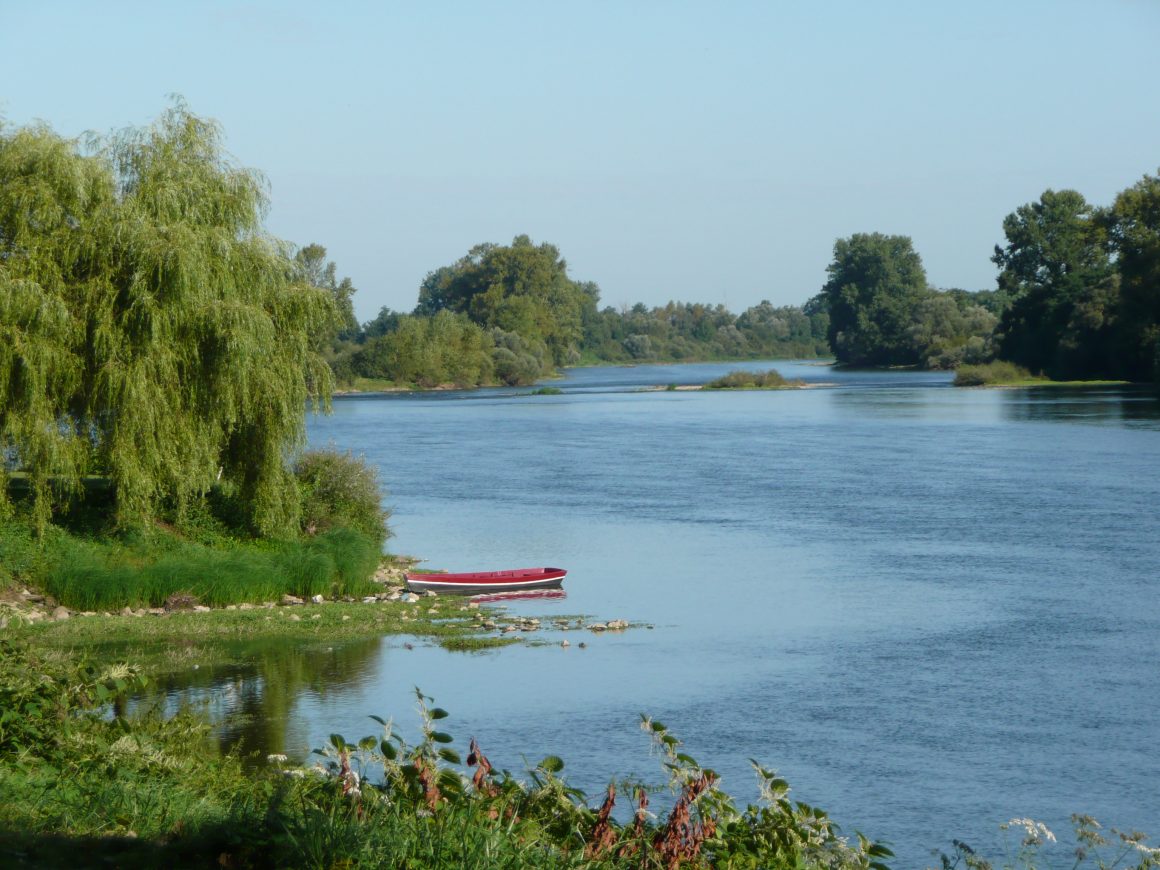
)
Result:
{"points": [[931, 609]]}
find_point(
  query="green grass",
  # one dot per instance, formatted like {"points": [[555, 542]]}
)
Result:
{"points": [[82, 787], [1005, 374], [743, 380], [178, 641], [85, 569], [98, 575]]}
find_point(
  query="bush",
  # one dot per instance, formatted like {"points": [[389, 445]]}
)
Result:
{"points": [[340, 489], [993, 373], [741, 380]]}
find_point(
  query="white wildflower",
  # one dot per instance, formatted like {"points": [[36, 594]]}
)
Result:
{"points": [[1037, 832], [276, 758]]}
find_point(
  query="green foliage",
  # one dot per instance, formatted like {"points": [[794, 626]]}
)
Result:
{"points": [[875, 283], [444, 348], [96, 576], [995, 373], [80, 787], [1135, 234], [519, 360], [1057, 269], [149, 329], [522, 288], [742, 380], [686, 331], [948, 329], [340, 489]]}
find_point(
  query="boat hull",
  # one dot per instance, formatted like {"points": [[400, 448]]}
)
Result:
{"points": [[487, 582]]}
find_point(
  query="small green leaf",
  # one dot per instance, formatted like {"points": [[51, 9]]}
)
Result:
{"points": [[338, 742], [551, 764], [438, 713], [441, 737], [367, 743], [389, 750], [449, 755]]}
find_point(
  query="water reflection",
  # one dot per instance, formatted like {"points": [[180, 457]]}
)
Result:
{"points": [[1099, 405], [253, 705]]}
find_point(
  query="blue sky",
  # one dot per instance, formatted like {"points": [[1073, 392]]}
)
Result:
{"points": [[692, 151]]}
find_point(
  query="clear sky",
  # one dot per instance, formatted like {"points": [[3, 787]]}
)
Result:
{"points": [[698, 151]]}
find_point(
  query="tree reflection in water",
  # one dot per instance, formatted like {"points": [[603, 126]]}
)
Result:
{"points": [[252, 705]]}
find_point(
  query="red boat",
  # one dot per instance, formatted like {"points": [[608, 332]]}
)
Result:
{"points": [[487, 582]]}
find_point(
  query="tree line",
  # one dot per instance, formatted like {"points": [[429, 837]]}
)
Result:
{"points": [[510, 314], [1077, 297]]}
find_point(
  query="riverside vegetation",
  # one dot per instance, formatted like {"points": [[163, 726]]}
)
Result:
{"points": [[83, 788], [1077, 297], [158, 350], [742, 380]]}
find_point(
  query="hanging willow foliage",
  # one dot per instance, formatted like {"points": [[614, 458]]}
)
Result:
{"points": [[151, 332]]}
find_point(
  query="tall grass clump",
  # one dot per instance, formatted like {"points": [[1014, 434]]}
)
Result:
{"points": [[743, 380], [89, 575], [997, 373]]}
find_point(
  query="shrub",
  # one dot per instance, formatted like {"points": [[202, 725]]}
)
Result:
{"points": [[997, 372], [341, 489], [741, 380]]}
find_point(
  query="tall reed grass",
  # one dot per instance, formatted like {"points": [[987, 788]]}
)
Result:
{"points": [[86, 575]]}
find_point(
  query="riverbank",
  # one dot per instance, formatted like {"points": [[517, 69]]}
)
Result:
{"points": [[164, 641], [1004, 374], [369, 386]]}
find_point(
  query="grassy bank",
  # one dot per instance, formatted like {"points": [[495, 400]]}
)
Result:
{"points": [[81, 788], [175, 642], [104, 573], [1005, 374], [78, 788]]}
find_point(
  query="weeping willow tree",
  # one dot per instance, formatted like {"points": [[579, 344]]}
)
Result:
{"points": [[151, 332]]}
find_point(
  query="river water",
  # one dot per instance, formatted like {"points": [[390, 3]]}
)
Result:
{"points": [[931, 609]]}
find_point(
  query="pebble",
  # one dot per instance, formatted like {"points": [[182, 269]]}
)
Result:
{"points": [[565, 643], [294, 617], [317, 599], [61, 613], [291, 599]]}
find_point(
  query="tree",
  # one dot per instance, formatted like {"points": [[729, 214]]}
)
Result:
{"points": [[1134, 225], [150, 330], [314, 269], [1064, 290], [522, 288], [875, 282]]}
